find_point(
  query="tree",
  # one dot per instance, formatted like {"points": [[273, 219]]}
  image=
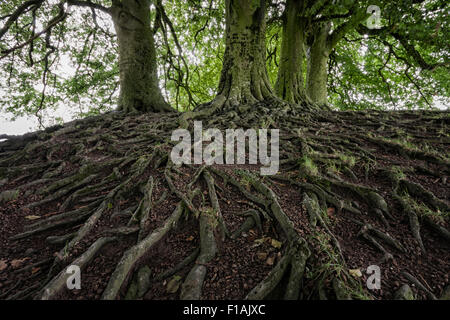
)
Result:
{"points": [[139, 82], [290, 83], [244, 77], [321, 26]]}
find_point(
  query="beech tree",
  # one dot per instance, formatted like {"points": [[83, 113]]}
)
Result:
{"points": [[244, 77]]}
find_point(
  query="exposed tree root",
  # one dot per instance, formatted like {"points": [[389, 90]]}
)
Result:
{"points": [[132, 255], [58, 283], [192, 285], [346, 189]]}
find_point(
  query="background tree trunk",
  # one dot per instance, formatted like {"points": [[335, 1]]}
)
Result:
{"points": [[244, 78], [316, 86], [290, 82], [139, 87]]}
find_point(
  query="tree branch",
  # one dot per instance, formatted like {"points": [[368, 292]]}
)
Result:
{"points": [[19, 11], [415, 54], [89, 4], [410, 49], [60, 17]]}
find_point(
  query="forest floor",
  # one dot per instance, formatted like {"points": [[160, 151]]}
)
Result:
{"points": [[30, 196]]}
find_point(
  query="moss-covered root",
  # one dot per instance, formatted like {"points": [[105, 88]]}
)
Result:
{"points": [[58, 283], [413, 221], [300, 255], [187, 261], [132, 255], [404, 293], [294, 261], [419, 285], [140, 284], [192, 286], [296, 256], [340, 291], [215, 203], [265, 287]]}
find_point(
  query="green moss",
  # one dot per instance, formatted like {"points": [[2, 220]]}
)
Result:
{"points": [[423, 210], [308, 167], [332, 267], [350, 161], [397, 173]]}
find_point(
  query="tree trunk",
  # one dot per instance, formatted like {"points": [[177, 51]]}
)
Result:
{"points": [[139, 87], [290, 83], [244, 78], [316, 86]]}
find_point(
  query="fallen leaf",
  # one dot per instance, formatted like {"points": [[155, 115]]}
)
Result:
{"points": [[32, 217], [276, 244], [257, 243], [18, 262], [262, 240], [270, 261], [191, 238], [261, 255], [174, 284], [3, 265], [355, 273]]}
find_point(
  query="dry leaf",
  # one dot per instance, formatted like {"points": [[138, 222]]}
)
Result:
{"points": [[355, 273], [276, 244], [174, 284], [32, 217], [270, 261], [18, 262], [261, 255], [191, 238], [3, 265], [262, 240]]}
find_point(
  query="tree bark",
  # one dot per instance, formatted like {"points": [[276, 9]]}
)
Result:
{"points": [[244, 78], [290, 83], [316, 85], [139, 87]]}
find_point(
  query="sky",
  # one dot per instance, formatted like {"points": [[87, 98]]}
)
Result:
{"points": [[26, 124]]}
